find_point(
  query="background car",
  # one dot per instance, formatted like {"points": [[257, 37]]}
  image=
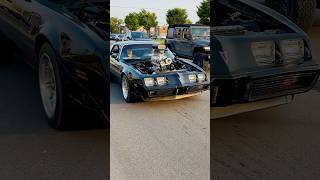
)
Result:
{"points": [[121, 37], [69, 52], [138, 36], [191, 42], [113, 36], [147, 72]]}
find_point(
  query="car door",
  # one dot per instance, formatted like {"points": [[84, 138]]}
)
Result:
{"points": [[187, 42], [178, 43], [115, 65]]}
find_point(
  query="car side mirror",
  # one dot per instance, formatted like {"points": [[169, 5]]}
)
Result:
{"points": [[114, 56]]}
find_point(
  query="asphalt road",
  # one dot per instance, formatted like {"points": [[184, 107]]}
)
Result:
{"points": [[159, 140], [277, 143], [31, 150]]}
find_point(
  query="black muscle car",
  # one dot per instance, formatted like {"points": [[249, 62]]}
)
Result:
{"points": [[258, 56], [148, 71], [66, 42]]}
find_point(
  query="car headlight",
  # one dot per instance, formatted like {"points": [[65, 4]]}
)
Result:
{"points": [[264, 52], [206, 48], [201, 77], [292, 49], [192, 78], [149, 82], [161, 81]]}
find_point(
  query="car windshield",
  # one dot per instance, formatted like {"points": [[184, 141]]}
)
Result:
{"points": [[200, 31], [143, 52], [139, 35]]}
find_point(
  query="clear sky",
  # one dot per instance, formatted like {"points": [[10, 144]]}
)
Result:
{"points": [[120, 8]]}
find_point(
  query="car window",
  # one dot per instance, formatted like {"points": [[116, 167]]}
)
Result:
{"points": [[139, 35], [142, 51], [201, 31], [178, 33], [186, 32]]}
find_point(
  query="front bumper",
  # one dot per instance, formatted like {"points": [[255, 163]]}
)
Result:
{"points": [[168, 98], [247, 89], [173, 93], [221, 112]]}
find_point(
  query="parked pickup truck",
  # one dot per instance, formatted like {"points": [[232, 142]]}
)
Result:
{"points": [[261, 58], [191, 42]]}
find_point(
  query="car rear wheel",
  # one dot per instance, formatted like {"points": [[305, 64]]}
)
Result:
{"points": [[51, 89], [126, 90]]}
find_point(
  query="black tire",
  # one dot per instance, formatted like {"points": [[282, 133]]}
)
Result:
{"points": [[6, 51], [131, 98], [57, 121], [301, 12]]}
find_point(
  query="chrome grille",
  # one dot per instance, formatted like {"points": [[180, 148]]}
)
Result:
{"points": [[281, 85]]}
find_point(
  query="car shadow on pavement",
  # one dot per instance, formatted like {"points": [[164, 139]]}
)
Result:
{"points": [[115, 94], [20, 103], [31, 149]]}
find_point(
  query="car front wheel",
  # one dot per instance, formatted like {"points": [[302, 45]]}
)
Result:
{"points": [[126, 90], [51, 86]]}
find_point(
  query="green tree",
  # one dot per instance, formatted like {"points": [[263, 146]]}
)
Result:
{"points": [[188, 21], [132, 21], [204, 13], [177, 16], [147, 20], [115, 24]]}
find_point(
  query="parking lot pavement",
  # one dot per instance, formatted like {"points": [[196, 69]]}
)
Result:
{"points": [[159, 140], [277, 143], [30, 149]]}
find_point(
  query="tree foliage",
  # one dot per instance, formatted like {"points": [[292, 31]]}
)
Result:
{"points": [[115, 24], [204, 12], [147, 20], [132, 21], [177, 16]]}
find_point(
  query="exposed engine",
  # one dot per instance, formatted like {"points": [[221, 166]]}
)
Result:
{"points": [[160, 65]]}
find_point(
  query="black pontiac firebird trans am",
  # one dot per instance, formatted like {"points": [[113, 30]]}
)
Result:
{"points": [[260, 58], [66, 42], [148, 71]]}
